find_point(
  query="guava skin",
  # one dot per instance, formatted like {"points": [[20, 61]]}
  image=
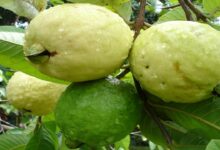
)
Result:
{"points": [[177, 61], [98, 112], [34, 95], [83, 41]]}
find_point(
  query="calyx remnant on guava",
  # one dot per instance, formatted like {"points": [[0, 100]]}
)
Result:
{"points": [[77, 42], [31, 94], [177, 61], [98, 112]]}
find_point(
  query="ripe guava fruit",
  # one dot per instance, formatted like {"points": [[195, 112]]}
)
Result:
{"points": [[98, 112], [177, 61], [77, 42], [34, 95]]}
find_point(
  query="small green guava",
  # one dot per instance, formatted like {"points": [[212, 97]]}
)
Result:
{"points": [[98, 112], [177, 61], [31, 94], [77, 42]]}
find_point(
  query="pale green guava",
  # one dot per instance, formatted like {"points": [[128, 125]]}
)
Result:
{"points": [[177, 61], [31, 94], [77, 42], [98, 112]]}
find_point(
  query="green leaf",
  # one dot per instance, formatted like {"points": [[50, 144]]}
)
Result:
{"points": [[173, 1], [189, 141], [123, 144], [212, 7], [49, 122], [11, 52], [11, 29], [43, 138], [182, 139], [151, 131], [122, 7], [97, 2], [49, 117], [56, 2], [23, 8], [174, 14], [31, 126], [213, 145], [128, 78], [63, 145], [201, 118], [13, 141]]}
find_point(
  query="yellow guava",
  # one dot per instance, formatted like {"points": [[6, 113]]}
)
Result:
{"points": [[77, 42], [98, 112], [34, 95], [177, 61]]}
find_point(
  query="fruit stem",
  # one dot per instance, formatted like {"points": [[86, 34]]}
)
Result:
{"points": [[173, 6], [148, 109], [139, 23], [123, 73], [197, 12], [38, 124], [186, 10]]}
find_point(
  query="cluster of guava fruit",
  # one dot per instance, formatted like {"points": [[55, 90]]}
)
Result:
{"points": [[84, 43]]}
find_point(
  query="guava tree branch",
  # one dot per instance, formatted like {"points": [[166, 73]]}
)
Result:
{"points": [[186, 10], [126, 69], [151, 112], [139, 23], [123, 73], [7, 123], [198, 13], [169, 7]]}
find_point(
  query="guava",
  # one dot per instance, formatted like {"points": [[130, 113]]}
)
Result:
{"points": [[77, 42], [33, 95], [177, 61], [98, 112]]}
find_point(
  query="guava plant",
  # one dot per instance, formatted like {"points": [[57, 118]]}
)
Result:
{"points": [[93, 73]]}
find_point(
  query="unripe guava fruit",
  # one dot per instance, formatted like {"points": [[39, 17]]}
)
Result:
{"points": [[34, 95], [98, 112], [77, 42], [177, 61]]}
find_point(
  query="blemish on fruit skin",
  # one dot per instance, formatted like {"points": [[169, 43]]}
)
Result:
{"points": [[53, 53], [26, 110], [162, 85], [176, 66]]}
